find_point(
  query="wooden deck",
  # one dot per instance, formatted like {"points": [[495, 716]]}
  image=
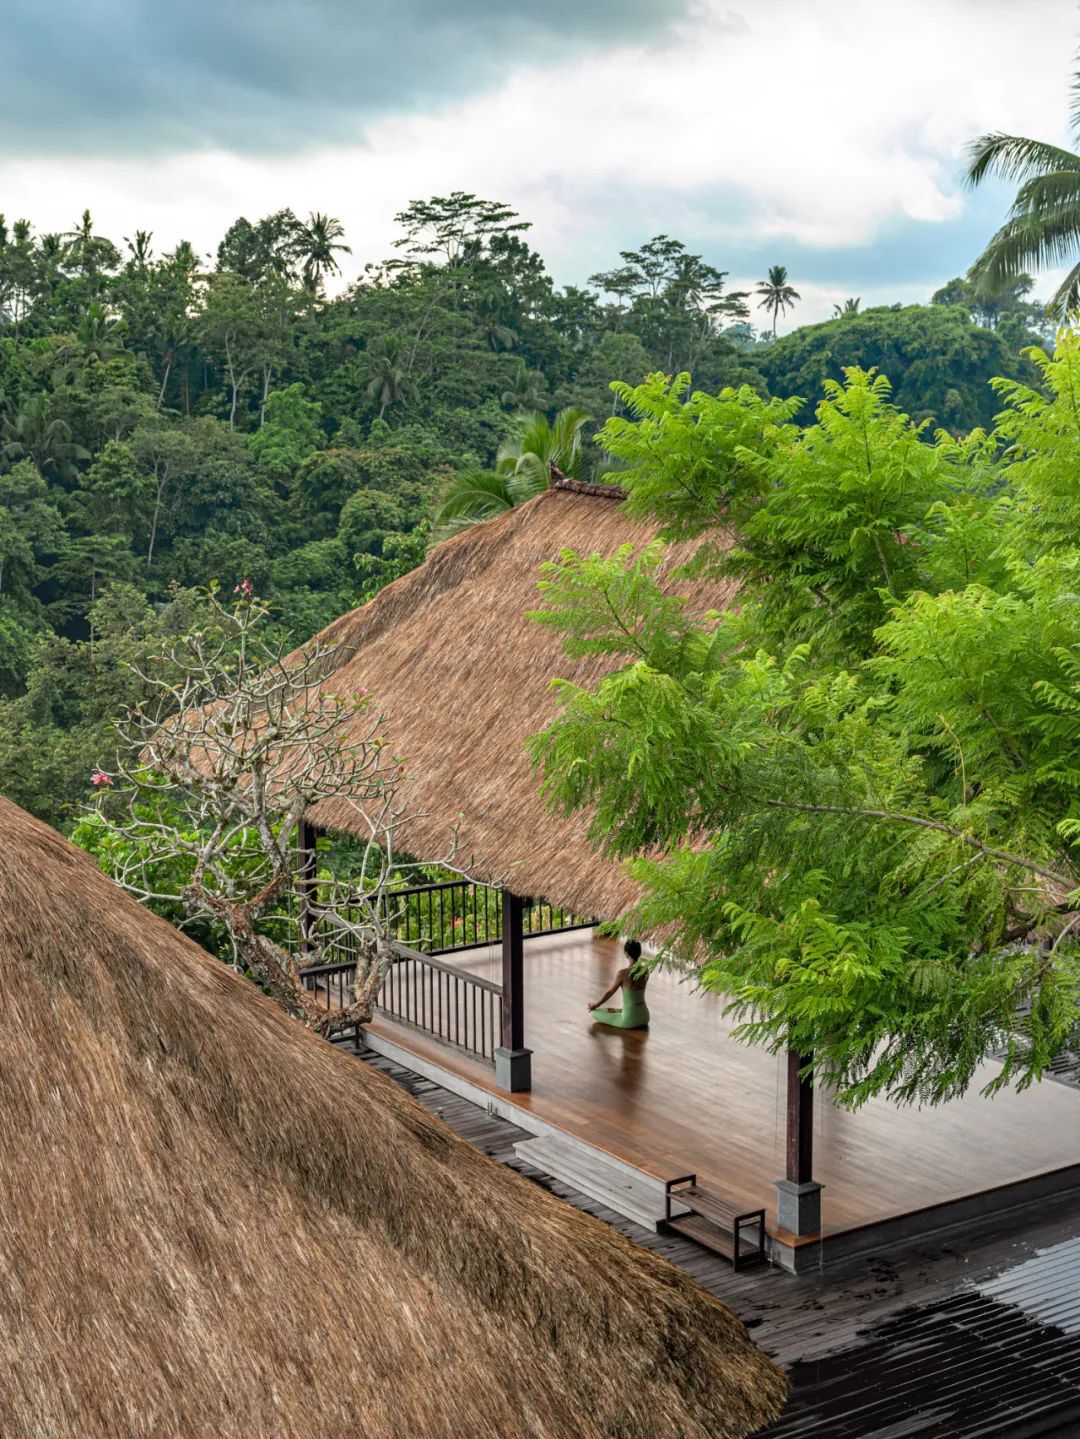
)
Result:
{"points": [[926, 1340], [684, 1097]]}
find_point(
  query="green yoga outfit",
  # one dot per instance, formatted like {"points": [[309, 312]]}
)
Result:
{"points": [[634, 1015]]}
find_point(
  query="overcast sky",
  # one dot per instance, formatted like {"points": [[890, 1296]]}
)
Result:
{"points": [[819, 134]]}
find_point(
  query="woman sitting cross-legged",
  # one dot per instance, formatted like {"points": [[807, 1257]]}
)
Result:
{"points": [[634, 1013]]}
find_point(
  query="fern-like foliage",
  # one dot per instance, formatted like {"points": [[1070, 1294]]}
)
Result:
{"points": [[853, 800]]}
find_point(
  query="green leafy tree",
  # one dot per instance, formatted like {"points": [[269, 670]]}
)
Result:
{"points": [[939, 362], [851, 800], [291, 432]]}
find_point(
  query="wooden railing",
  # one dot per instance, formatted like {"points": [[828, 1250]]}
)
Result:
{"points": [[443, 1001]]}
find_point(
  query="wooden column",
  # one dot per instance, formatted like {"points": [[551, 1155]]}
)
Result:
{"points": [[800, 1120], [798, 1195], [305, 884], [513, 1062]]}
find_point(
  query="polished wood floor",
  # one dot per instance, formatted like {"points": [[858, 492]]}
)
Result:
{"points": [[684, 1097]]}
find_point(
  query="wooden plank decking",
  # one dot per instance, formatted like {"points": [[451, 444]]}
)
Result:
{"points": [[941, 1339], [683, 1097]]}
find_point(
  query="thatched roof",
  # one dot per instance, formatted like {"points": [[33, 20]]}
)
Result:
{"points": [[216, 1224], [464, 678]]}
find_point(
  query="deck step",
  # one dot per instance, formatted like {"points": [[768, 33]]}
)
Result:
{"points": [[633, 1194]]}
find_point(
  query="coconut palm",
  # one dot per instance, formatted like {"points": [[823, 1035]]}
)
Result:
{"points": [[526, 390], [139, 248], [777, 295], [318, 245], [386, 379], [1043, 226], [538, 443], [33, 433], [476, 495], [849, 307], [88, 252], [523, 468]]}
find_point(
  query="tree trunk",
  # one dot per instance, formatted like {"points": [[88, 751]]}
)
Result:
{"points": [[164, 382]]}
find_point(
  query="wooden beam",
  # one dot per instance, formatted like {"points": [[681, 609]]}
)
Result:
{"points": [[800, 1120]]}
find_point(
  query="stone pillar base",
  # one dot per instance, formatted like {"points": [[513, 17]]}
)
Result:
{"points": [[513, 1069], [798, 1206]]}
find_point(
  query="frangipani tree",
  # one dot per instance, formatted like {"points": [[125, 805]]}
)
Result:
{"points": [[217, 770]]}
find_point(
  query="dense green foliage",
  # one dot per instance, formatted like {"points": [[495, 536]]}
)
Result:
{"points": [[859, 791], [939, 361], [165, 423]]}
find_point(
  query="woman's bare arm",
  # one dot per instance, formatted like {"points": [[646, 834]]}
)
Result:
{"points": [[617, 983]]}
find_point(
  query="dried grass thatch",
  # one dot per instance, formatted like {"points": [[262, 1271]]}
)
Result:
{"points": [[217, 1225], [464, 679]]}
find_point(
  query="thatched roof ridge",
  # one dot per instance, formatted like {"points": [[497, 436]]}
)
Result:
{"points": [[464, 678], [215, 1223]]}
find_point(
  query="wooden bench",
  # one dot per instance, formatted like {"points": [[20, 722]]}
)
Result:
{"points": [[714, 1224]]}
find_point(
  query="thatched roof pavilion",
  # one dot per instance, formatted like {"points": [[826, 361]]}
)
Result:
{"points": [[463, 677], [215, 1223]]}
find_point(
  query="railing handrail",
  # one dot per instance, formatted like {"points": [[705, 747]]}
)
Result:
{"points": [[443, 884], [404, 952]]}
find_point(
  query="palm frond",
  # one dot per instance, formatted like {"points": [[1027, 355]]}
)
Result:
{"points": [[1027, 242], [472, 497], [1046, 192], [1066, 298], [1013, 157]]}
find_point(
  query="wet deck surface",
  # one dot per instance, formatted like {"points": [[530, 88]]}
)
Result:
{"points": [[642, 1094], [973, 1334]]}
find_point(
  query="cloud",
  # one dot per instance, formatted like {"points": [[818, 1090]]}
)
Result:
{"points": [[135, 76], [826, 137]]}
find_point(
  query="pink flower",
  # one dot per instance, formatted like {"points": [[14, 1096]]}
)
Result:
{"points": [[100, 778], [245, 588]]}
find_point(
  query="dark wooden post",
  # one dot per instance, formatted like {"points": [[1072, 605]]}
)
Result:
{"points": [[305, 884], [800, 1120], [513, 1062], [798, 1195]]}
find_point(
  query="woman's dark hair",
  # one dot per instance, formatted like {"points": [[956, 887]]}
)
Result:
{"points": [[632, 950]]}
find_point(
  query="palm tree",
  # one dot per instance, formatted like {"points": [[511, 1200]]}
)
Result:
{"points": [[849, 307], [88, 252], [318, 245], [522, 470], [525, 390], [387, 380], [33, 434], [777, 295], [98, 338], [139, 248], [1043, 226], [538, 443], [476, 495]]}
